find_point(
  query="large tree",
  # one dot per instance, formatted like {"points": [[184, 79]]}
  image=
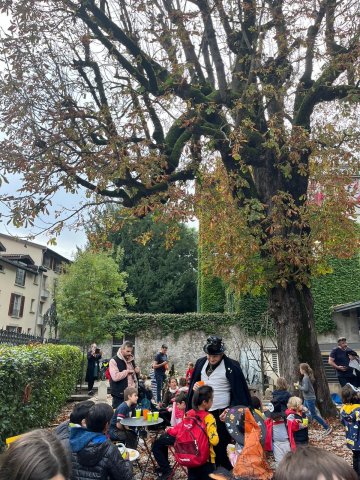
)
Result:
{"points": [[130, 99], [162, 275]]}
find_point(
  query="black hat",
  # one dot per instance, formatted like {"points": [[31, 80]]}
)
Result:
{"points": [[214, 345], [234, 422]]}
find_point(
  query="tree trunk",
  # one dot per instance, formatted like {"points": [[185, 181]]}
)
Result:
{"points": [[292, 311]]}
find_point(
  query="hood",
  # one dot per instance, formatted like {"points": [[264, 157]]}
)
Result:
{"points": [[131, 357], [348, 408], [90, 447], [197, 413], [80, 437], [280, 395], [62, 430]]}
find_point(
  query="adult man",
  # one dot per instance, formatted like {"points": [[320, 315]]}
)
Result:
{"points": [[123, 373], [226, 378], [160, 366], [339, 359]]}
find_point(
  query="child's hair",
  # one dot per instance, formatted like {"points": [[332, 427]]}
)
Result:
{"points": [[191, 365], [349, 395], [182, 382], [97, 418], [128, 392], [321, 463], [255, 402], [305, 367], [202, 394], [268, 394], [80, 411], [281, 384], [294, 403], [181, 397], [36, 454]]}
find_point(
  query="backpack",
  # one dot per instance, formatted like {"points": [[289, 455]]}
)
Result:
{"points": [[192, 443]]}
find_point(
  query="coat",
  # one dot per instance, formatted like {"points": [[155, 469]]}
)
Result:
{"points": [[94, 457]]}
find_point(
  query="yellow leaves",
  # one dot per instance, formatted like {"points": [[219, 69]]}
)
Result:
{"points": [[144, 238]]}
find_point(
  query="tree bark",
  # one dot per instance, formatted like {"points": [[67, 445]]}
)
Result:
{"points": [[292, 310]]}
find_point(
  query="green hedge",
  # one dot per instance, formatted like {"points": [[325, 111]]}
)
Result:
{"points": [[176, 324], [35, 382]]}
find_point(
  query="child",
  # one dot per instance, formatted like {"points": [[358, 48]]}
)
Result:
{"points": [[178, 411], [189, 372], [350, 418], [117, 431], [306, 386], [281, 394], [297, 423], [277, 438], [202, 402], [257, 406], [170, 394]]}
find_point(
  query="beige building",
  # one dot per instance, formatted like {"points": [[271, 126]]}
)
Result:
{"points": [[28, 275]]}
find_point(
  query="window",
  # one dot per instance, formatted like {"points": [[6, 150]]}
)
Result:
{"points": [[12, 328], [20, 277], [16, 307], [36, 279], [41, 308], [32, 305]]}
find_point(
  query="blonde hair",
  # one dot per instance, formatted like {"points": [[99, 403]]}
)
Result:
{"points": [[281, 384], [294, 403], [305, 367]]}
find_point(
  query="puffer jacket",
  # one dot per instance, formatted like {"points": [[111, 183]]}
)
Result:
{"points": [[94, 457], [350, 418]]}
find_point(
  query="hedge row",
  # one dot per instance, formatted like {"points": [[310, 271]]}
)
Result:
{"points": [[176, 324], [35, 382]]}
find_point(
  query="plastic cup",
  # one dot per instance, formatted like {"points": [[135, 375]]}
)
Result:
{"points": [[155, 416], [145, 413], [138, 413], [305, 421], [149, 417]]}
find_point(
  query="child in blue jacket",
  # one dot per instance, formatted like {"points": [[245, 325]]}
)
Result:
{"points": [[350, 418]]}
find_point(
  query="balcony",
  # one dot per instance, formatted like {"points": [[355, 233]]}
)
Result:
{"points": [[44, 294], [39, 320]]}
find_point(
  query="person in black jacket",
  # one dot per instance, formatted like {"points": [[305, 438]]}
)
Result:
{"points": [[281, 395], [93, 367], [93, 456], [226, 378]]}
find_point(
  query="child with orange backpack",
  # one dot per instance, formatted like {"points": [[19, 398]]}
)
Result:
{"points": [[193, 439]]}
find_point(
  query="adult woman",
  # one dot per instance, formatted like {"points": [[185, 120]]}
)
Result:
{"points": [[36, 455], [93, 368], [306, 386]]}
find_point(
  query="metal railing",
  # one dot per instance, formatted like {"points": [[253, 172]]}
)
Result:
{"points": [[15, 338]]}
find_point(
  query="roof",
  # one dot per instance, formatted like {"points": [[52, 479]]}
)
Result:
{"points": [[20, 258], [20, 264], [37, 245], [346, 306]]}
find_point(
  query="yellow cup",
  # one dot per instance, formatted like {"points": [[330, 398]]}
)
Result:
{"points": [[149, 417], [138, 413], [305, 422], [156, 416]]}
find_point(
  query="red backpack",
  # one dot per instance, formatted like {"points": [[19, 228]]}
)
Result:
{"points": [[192, 443]]}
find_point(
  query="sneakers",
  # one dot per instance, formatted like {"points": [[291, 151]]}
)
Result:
{"points": [[328, 431], [91, 393]]}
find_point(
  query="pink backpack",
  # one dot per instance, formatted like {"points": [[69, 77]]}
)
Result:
{"points": [[192, 443]]}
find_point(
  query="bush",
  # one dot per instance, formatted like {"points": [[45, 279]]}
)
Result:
{"points": [[35, 382]]}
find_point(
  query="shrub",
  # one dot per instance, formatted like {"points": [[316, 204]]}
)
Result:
{"points": [[35, 382]]}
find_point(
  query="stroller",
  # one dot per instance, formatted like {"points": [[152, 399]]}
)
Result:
{"points": [[104, 369]]}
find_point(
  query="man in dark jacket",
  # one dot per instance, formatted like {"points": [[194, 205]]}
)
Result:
{"points": [[93, 456], [226, 378], [123, 373]]}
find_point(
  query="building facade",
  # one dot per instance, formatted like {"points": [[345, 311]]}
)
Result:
{"points": [[28, 276]]}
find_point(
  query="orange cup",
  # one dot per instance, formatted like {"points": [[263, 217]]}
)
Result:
{"points": [[200, 383], [145, 412]]}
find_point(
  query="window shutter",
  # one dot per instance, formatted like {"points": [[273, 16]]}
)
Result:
{"points": [[22, 307], [11, 306]]}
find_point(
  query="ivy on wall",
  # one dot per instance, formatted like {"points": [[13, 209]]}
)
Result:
{"points": [[341, 286], [177, 324]]}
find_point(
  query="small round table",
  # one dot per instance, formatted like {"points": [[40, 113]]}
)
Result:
{"points": [[140, 422]]}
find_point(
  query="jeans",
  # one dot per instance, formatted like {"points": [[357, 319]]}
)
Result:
{"points": [[221, 458], [311, 405], [201, 473], [356, 461], [160, 379]]}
